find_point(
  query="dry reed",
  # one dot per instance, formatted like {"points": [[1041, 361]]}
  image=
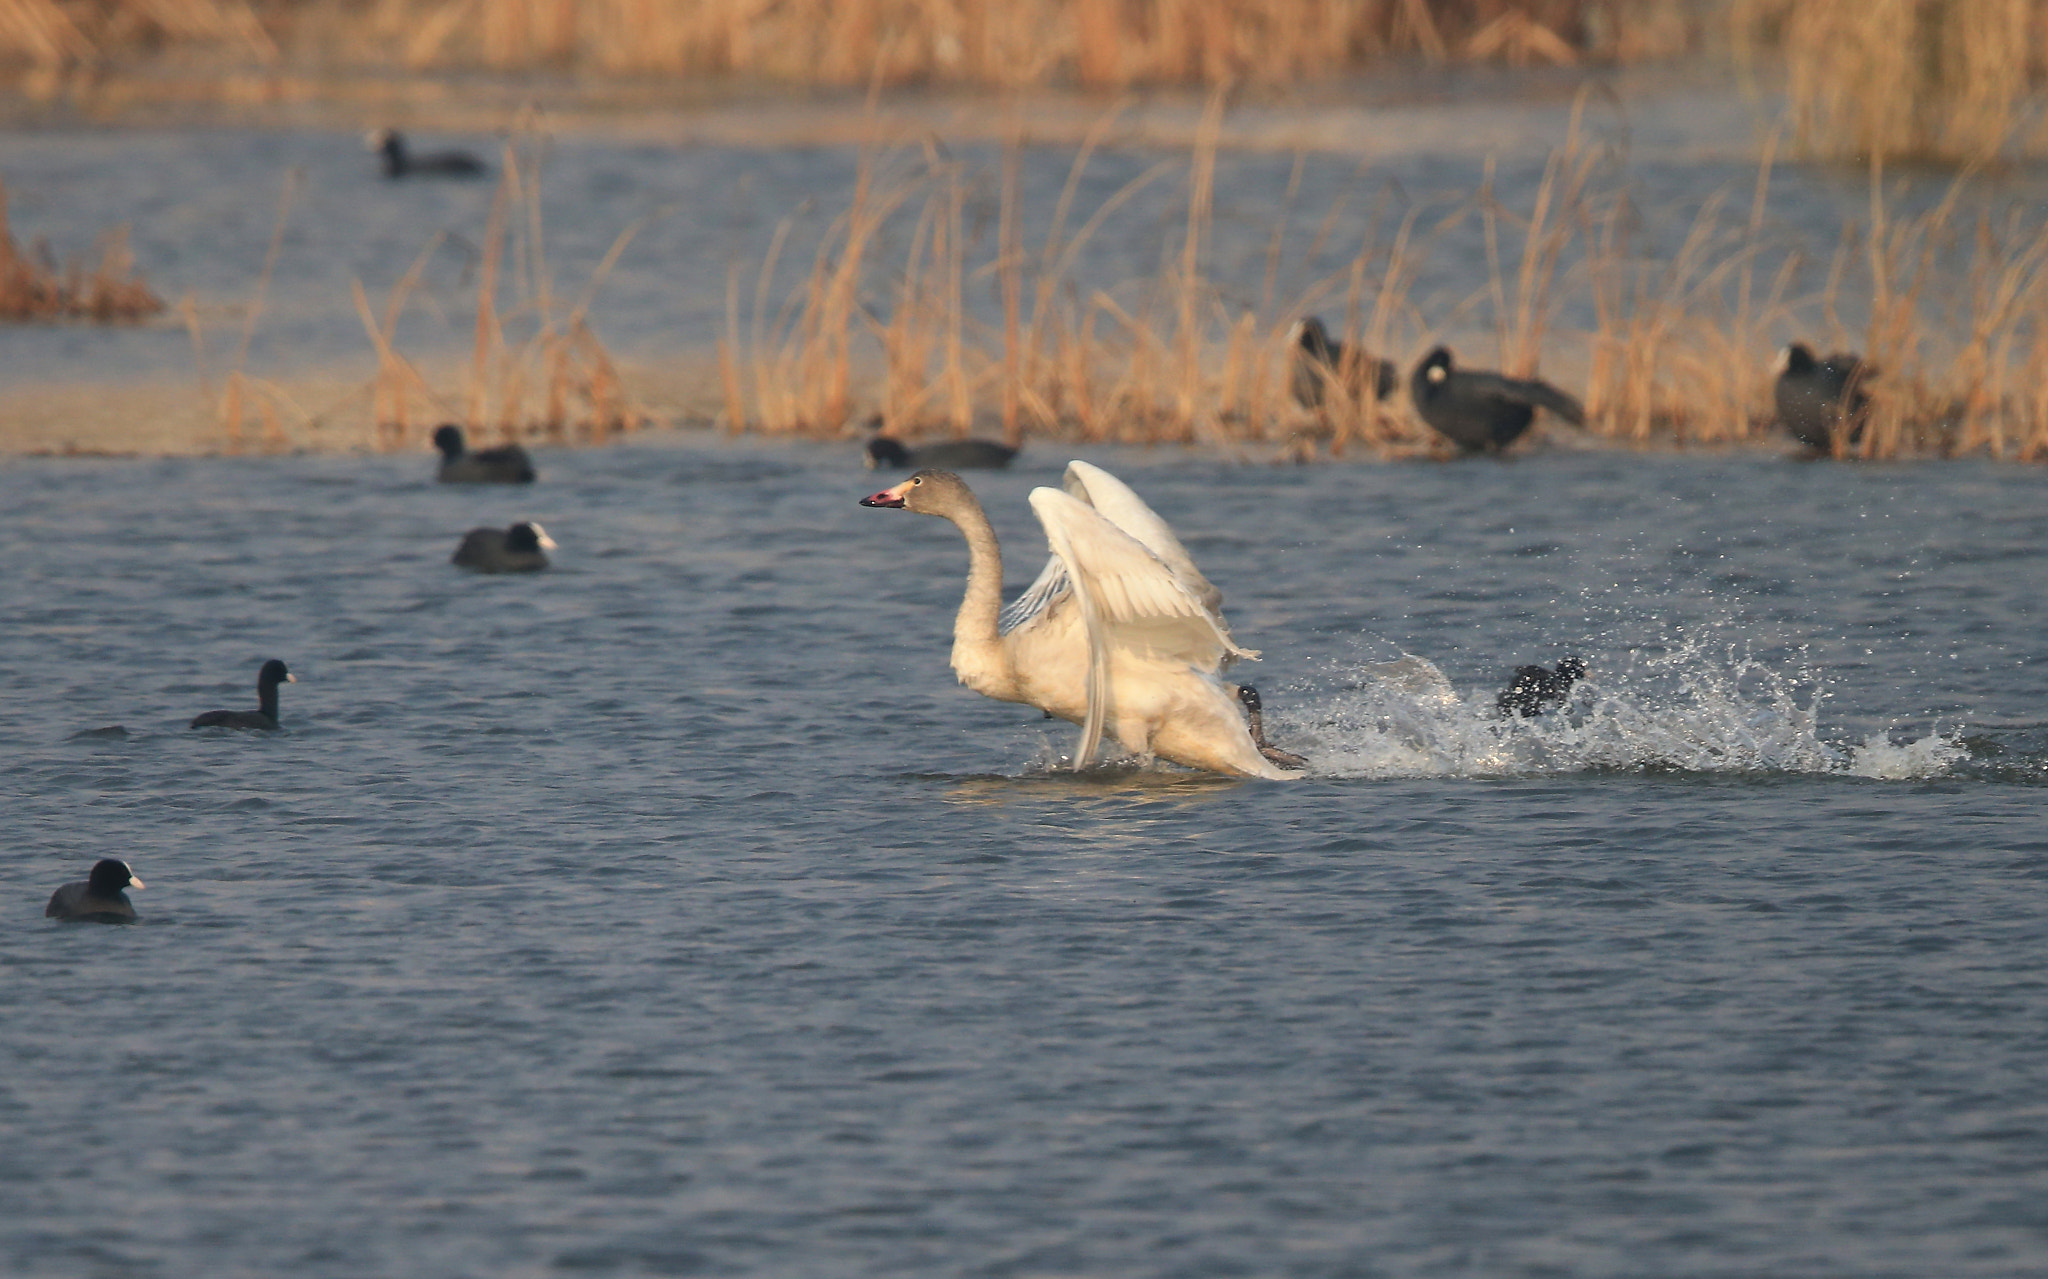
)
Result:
{"points": [[537, 369], [33, 287], [1678, 348]]}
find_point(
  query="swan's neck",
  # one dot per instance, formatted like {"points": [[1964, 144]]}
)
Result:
{"points": [[979, 657]]}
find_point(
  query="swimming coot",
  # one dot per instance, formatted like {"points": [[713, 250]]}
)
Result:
{"points": [[506, 464], [947, 455], [400, 162], [1535, 688], [265, 715], [1482, 412], [504, 550], [1818, 399], [1318, 362], [99, 898]]}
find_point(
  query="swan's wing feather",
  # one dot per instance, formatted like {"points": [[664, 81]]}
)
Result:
{"points": [[1037, 599], [1126, 593], [1115, 501]]}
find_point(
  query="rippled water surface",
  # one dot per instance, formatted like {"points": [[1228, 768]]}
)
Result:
{"points": [[672, 912]]}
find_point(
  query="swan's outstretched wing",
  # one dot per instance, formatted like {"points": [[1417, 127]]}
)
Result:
{"points": [[1128, 597], [1116, 502]]}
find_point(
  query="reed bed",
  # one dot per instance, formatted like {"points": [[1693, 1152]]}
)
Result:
{"points": [[993, 335], [538, 370], [34, 287]]}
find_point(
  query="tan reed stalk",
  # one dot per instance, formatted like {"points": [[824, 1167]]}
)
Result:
{"points": [[488, 331], [1012, 254]]}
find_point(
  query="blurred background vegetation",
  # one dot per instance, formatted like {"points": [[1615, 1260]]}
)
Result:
{"points": [[1928, 80]]}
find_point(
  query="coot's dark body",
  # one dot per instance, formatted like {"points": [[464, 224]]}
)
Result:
{"points": [[1482, 412], [1535, 689], [1318, 361], [264, 717], [506, 464], [1817, 399], [519, 549], [99, 898], [945, 455], [400, 162]]}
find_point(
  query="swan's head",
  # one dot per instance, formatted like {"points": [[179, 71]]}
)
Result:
{"points": [[927, 492]]}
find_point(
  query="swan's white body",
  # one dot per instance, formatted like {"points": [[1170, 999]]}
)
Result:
{"points": [[1120, 633]]}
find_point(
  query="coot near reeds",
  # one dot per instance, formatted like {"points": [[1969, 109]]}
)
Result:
{"points": [[1536, 688], [506, 464], [1318, 362], [949, 455], [518, 549], [99, 898], [1820, 399], [264, 717], [400, 162], [1482, 412]]}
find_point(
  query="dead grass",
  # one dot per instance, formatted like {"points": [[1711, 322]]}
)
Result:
{"points": [[963, 334], [33, 287], [537, 367], [1946, 81]]}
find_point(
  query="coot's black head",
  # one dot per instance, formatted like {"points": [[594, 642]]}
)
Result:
{"points": [[1312, 337], [110, 877], [448, 439], [386, 142], [1436, 366], [528, 537], [1797, 360], [1249, 696], [273, 674], [886, 451], [1571, 670]]}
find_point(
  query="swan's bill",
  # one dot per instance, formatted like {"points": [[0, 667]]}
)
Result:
{"points": [[891, 498]]}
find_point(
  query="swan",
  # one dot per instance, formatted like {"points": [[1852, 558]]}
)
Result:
{"points": [[1121, 633]]}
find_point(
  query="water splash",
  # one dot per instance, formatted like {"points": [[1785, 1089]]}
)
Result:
{"points": [[1686, 709]]}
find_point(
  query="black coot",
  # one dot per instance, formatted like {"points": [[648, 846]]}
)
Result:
{"points": [[1319, 361], [1535, 688], [265, 715], [519, 549], [945, 455], [1482, 412], [99, 898], [1818, 399], [400, 162], [506, 464]]}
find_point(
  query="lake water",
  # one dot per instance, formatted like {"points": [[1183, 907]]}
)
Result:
{"points": [[673, 912]]}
